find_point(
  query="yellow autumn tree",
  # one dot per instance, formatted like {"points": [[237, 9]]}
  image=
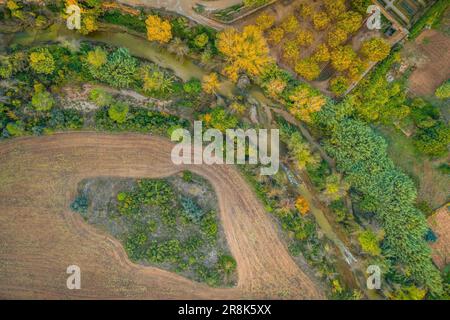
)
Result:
{"points": [[305, 37], [275, 87], [210, 83], [97, 57], [375, 49], [342, 58], [308, 69], [302, 205], [322, 54], [291, 51], [306, 10], [265, 21], [238, 108], [335, 7], [337, 37], [158, 29], [305, 102], [245, 51], [350, 21], [320, 20], [89, 23], [276, 35], [290, 24], [42, 61], [356, 69]]}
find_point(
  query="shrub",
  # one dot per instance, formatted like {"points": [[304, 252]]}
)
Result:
{"points": [[118, 112], [227, 264], [80, 204], [193, 87], [42, 101], [369, 243], [42, 61], [191, 209], [209, 225], [120, 70], [100, 97], [15, 129], [433, 141], [443, 92], [187, 176]]}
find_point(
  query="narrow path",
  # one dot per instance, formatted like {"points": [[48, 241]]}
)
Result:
{"points": [[186, 8]]}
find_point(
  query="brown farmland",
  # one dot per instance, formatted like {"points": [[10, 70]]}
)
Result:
{"points": [[40, 237], [435, 47]]}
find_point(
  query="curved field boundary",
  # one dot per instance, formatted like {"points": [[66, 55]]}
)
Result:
{"points": [[40, 237]]}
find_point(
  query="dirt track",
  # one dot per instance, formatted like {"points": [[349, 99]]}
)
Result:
{"points": [[40, 237]]}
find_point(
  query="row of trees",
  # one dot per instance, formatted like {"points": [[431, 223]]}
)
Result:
{"points": [[362, 156]]}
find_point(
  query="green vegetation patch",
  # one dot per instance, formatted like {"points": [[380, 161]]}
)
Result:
{"points": [[168, 223]]}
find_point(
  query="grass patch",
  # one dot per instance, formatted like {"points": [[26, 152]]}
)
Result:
{"points": [[431, 181]]}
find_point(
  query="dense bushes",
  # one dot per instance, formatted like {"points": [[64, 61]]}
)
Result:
{"points": [[390, 194], [431, 18], [133, 22], [139, 120], [162, 224], [120, 70]]}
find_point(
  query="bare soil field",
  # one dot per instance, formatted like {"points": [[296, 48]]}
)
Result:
{"points": [[435, 47], [40, 237], [440, 223]]}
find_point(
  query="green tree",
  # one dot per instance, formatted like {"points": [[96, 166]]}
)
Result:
{"points": [[227, 264], [118, 112], [339, 85], [156, 81], [201, 40], [443, 92], [6, 68], [221, 120], [362, 156], [299, 151], [433, 141], [335, 188], [120, 70], [193, 87], [42, 101], [15, 129], [41, 61]]}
